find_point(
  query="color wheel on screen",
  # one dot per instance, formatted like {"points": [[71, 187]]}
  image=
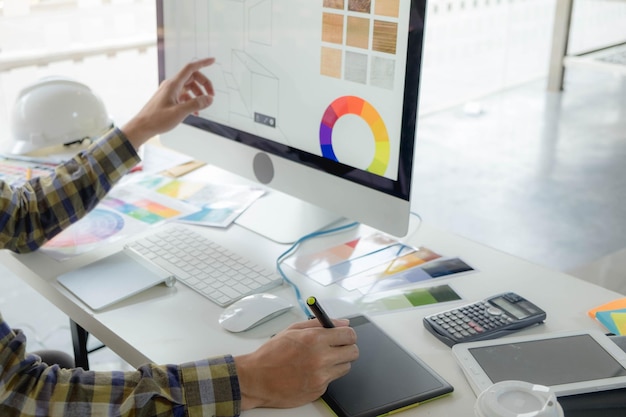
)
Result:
{"points": [[356, 106], [95, 227]]}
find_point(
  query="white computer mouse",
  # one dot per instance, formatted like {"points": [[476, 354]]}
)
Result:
{"points": [[253, 310]]}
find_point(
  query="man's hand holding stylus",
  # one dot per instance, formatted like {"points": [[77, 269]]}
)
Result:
{"points": [[295, 366]]}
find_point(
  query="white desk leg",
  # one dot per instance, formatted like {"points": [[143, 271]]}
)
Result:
{"points": [[560, 35]]}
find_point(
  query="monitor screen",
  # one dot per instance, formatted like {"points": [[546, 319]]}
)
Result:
{"points": [[324, 92]]}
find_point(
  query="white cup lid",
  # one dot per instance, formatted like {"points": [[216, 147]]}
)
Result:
{"points": [[517, 399]]}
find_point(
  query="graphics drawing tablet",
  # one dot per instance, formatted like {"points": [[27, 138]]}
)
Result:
{"points": [[572, 362], [384, 378]]}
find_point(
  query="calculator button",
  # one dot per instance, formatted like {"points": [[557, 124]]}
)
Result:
{"points": [[494, 311], [514, 298]]}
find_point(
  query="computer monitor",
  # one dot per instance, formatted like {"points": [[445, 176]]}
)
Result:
{"points": [[317, 99]]}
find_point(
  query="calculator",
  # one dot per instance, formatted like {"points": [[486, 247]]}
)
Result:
{"points": [[490, 318]]}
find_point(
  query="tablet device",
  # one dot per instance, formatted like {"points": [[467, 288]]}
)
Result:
{"points": [[569, 362], [384, 378]]}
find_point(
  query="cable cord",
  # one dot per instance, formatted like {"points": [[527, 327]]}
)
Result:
{"points": [[291, 251], [313, 235]]}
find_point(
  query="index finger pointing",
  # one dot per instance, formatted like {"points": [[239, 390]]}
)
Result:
{"points": [[188, 70]]}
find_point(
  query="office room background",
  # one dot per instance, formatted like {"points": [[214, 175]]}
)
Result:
{"points": [[500, 158]]}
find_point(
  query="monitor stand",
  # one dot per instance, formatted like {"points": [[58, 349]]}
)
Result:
{"points": [[283, 218]]}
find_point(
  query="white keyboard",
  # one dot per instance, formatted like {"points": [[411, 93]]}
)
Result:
{"points": [[206, 267]]}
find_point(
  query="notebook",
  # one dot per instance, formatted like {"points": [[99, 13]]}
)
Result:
{"points": [[113, 279]]}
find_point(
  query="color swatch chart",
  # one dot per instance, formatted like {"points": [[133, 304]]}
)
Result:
{"points": [[359, 39]]}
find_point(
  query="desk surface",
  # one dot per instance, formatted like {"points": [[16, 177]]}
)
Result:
{"points": [[173, 325]]}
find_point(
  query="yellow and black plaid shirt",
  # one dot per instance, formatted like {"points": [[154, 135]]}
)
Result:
{"points": [[30, 388], [35, 212]]}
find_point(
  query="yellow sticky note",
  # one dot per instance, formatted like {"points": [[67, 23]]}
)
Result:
{"points": [[620, 322]]}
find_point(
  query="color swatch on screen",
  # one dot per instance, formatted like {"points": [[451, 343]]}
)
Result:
{"points": [[359, 41], [359, 107]]}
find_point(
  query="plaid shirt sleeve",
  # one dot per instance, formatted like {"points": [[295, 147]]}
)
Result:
{"points": [[35, 212], [30, 388]]}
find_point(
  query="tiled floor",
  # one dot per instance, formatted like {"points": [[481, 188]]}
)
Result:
{"points": [[539, 175], [536, 174]]}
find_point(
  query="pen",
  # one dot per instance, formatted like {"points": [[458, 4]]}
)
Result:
{"points": [[319, 312], [35, 160]]}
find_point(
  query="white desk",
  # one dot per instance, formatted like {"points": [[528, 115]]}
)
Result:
{"points": [[171, 325]]}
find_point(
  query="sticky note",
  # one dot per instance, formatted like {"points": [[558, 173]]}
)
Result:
{"points": [[612, 305], [620, 322], [605, 318]]}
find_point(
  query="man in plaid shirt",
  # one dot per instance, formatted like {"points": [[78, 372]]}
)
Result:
{"points": [[291, 369]]}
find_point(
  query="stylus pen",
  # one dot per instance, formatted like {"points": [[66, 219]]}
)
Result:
{"points": [[319, 312]]}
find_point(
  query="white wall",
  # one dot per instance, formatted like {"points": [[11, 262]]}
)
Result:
{"points": [[477, 47], [124, 80]]}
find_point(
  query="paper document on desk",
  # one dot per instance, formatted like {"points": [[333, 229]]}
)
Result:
{"points": [[99, 227], [401, 270], [402, 298], [17, 171], [349, 258], [146, 206], [125, 211], [362, 263], [215, 205], [375, 263]]}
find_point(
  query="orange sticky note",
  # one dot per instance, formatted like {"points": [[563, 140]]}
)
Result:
{"points": [[618, 304]]}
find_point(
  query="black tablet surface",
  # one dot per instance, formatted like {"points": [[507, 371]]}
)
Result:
{"points": [[385, 378]]}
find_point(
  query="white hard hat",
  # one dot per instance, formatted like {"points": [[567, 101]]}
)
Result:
{"points": [[55, 111]]}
